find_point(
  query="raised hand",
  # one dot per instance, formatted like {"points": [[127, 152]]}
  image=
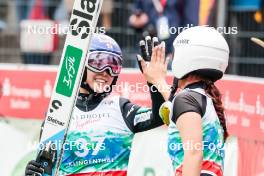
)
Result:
{"points": [[146, 47], [155, 70]]}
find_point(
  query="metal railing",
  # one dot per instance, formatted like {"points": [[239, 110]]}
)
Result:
{"points": [[246, 57]]}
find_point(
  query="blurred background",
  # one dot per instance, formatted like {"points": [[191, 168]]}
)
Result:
{"points": [[28, 64], [246, 16]]}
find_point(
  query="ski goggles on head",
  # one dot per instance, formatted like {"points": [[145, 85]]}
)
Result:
{"points": [[101, 61]]}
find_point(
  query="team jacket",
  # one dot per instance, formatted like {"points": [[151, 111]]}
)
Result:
{"points": [[101, 133]]}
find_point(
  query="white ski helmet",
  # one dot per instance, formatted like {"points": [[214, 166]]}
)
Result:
{"points": [[201, 49]]}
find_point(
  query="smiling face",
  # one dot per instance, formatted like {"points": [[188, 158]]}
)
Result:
{"points": [[99, 82]]}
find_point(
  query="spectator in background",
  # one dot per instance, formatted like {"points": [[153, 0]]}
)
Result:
{"points": [[107, 10], [69, 6], [164, 17], [207, 14], [50, 7], [24, 9]]}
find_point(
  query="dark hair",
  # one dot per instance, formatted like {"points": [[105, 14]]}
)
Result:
{"points": [[216, 96], [212, 91]]}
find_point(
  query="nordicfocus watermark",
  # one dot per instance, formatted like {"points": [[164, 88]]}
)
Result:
{"points": [[129, 88], [81, 147], [200, 146], [60, 29], [177, 30]]}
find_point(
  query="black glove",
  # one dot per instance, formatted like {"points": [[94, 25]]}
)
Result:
{"points": [[146, 48], [34, 169], [44, 162]]}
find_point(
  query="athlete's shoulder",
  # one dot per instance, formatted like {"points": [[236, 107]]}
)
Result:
{"points": [[188, 101], [188, 95]]}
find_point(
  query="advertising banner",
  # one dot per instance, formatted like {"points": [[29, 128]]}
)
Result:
{"points": [[25, 94]]}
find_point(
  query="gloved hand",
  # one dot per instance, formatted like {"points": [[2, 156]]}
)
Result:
{"points": [[44, 162], [146, 48], [34, 169], [146, 53]]}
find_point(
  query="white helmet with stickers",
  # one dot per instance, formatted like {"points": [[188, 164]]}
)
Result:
{"points": [[201, 49]]}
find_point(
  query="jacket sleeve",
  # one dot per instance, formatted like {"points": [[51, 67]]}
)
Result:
{"points": [[140, 119]]}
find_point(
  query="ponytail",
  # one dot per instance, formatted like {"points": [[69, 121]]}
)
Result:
{"points": [[215, 94]]}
